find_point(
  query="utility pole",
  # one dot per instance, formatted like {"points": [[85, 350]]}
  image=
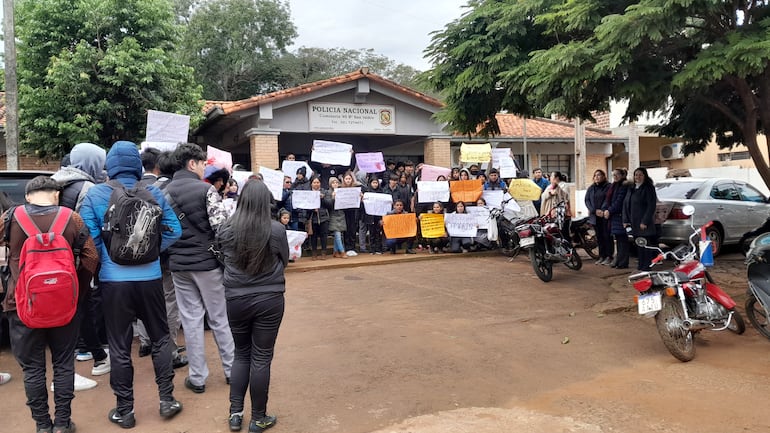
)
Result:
{"points": [[11, 89]]}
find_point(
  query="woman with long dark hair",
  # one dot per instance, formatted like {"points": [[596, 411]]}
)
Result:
{"points": [[613, 213], [639, 214], [256, 253], [595, 198]]}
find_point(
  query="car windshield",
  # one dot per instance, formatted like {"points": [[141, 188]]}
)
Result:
{"points": [[677, 190]]}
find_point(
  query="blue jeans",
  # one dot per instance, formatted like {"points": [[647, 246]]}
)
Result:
{"points": [[338, 245]]}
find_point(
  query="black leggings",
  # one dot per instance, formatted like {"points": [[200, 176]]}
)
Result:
{"points": [[254, 322], [320, 231]]}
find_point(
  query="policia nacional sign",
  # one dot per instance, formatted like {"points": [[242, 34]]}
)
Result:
{"points": [[335, 117]]}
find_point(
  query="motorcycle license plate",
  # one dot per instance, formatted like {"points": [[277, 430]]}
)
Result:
{"points": [[527, 242], [650, 303]]}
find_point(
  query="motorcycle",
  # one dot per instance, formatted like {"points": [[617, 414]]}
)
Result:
{"points": [[543, 239], [758, 270], [685, 300], [506, 222], [583, 235]]}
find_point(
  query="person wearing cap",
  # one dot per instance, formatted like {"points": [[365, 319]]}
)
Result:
{"points": [[495, 182], [29, 345], [216, 176], [132, 291]]}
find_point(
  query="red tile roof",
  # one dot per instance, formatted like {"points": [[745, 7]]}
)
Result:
{"points": [[229, 107], [512, 126]]}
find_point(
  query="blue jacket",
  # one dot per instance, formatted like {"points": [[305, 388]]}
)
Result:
{"points": [[616, 195], [125, 165]]}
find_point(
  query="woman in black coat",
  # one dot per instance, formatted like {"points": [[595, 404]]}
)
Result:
{"points": [[639, 214], [613, 213], [595, 198]]}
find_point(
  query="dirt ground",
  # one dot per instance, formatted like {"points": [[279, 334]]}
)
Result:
{"points": [[462, 344]]}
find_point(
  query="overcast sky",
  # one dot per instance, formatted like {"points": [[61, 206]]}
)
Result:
{"points": [[398, 29]]}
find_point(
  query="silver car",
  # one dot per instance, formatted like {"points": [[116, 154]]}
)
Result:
{"points": [[735, 207]]}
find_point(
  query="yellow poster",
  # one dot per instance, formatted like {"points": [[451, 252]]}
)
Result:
{"points": [[467, 191], [475, 152], [432, 225], [524, 189], [398, 226]]}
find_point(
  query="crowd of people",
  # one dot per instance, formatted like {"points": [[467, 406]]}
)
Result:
{"points": [[226, 263]]}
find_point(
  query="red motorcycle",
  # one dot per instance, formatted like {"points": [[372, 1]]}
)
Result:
{"points": [[685, 300]]}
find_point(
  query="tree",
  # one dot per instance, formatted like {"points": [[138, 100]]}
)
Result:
{"points": [[310, 64], [703, 64], [235, 46], [90, 69]]}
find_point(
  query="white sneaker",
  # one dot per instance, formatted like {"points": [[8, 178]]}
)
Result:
{"points": [[5, 378], [351, 253], [81, 383], [101, 367]]}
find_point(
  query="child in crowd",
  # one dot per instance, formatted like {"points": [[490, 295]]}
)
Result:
{"points": [[393, 244], [436, 245], [482, 241]]}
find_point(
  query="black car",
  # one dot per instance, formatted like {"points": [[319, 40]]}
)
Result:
{"points": [[12, 182]]}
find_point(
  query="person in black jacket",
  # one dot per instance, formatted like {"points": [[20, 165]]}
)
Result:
{"points": [[319, 218], [595, 198], [612, 210], [639, 214], [256, 253]]}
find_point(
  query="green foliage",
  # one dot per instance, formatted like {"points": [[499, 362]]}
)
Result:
{"points": [[704, 63], [90, 69], [312, 64], [235, 46]]}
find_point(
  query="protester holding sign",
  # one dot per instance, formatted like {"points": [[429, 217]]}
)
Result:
{"points": [[351, 216], [336, 221], [460, 244], [394, 242], [319, 218], [432, 228], [301, 183], [373, 223]]}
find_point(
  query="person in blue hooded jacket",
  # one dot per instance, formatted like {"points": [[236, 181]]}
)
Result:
{"points": [[132, 291]]}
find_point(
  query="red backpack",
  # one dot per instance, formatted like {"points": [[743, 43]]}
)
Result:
{"points": [[47, 288]]}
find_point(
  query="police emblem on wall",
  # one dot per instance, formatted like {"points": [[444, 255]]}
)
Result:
{"points": [[386, 117]]}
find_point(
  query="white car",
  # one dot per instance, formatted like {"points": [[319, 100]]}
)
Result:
{"points": [[735, 206]]}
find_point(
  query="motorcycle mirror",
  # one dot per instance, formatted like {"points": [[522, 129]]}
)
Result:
{"points": [[640, 241], [688, 210]]}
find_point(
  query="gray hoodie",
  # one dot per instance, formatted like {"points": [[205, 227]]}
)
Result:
{"points": [[86, 168]]}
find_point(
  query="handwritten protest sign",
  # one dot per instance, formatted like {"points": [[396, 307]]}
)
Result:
{"points": [[242, 177], [274, 181], [376, 203], [465, 190], [481, 214], [347, 198], [461, 225], [167, 127], [432, 191], [295, 238], [475, 152], [370, 162], [219, 158], [431, 172], [493, 197], [508, 168], [403, 225], [499, 153], [432, 225], [331, 152], [289, 168], [302, 199], [524, 189]]}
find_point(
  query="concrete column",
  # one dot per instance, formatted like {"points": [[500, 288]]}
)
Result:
{"points": [[436, 151], [263, 148], [633, 148]]}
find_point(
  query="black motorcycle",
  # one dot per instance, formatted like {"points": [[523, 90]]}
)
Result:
{"points": [[507, 236], [583, 235]]}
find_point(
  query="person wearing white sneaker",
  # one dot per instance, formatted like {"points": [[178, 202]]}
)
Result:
{"points": [[82, 383], [5, 378]]}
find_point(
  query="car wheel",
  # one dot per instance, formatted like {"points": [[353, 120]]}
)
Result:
{"points": [[715, 236]]}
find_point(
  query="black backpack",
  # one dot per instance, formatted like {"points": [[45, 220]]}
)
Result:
{"points": [[132, 225]]}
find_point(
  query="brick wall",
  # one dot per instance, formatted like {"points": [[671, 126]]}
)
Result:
{"points": [[594, 161], [437, 152], [264, 151], [31, 163]]}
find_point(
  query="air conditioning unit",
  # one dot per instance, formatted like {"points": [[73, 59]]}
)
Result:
{"points": [[671, 151]]}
